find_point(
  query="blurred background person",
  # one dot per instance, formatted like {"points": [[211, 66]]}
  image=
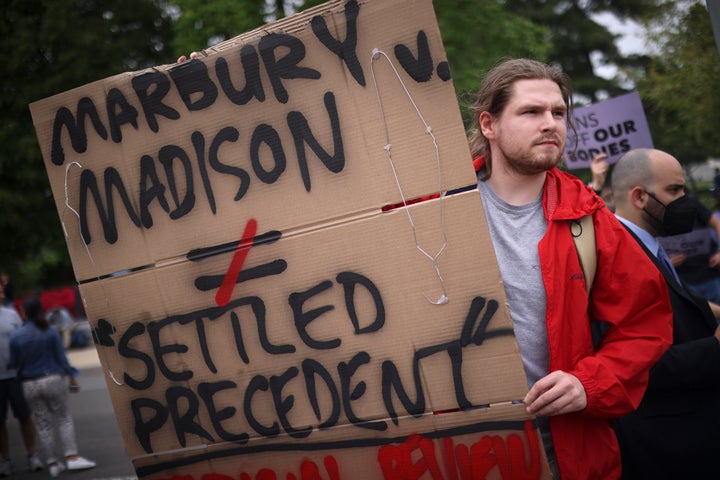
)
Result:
{"points": [[37, 352], [8, 289], [11, 393]]}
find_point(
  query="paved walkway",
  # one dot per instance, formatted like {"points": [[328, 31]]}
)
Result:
{"points": [[82, 358]]}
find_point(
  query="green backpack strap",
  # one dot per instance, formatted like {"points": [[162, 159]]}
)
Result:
{"points": [[583, 233]]}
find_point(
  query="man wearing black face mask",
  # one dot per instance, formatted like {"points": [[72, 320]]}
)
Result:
{"points": [[675, 432], [678, 215]]}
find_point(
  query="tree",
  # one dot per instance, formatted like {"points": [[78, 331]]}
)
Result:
{"points": [[476, 35], [50, 46], [679, 85], [200, 24], [577, 39]]}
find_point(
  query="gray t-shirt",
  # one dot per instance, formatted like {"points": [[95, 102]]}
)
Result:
{"points": [[515, 233]]}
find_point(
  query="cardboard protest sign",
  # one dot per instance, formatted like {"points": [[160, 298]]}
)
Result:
{"points": [[691, 244], [257, 311], [612, 127]]}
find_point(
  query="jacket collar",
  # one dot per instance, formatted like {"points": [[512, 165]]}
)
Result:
{"points": [[565, 197]]}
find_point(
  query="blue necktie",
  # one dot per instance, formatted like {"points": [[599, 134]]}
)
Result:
{"points": [[663, 257]]}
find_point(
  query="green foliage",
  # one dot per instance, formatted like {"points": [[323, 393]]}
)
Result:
{"points": [[50, 46], [476, 35], [201, 24], [577, 38], [679, 87]]}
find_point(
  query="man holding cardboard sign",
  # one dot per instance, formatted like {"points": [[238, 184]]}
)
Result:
{"points": [[521, 116], [282, 324]]}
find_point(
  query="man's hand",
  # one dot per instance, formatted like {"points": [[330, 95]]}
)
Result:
{"points": [[183, 58], [677, 259], [555, 394], [599, 169], [714, 260]]}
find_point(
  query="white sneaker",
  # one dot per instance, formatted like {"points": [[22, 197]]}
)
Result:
{"points": [[56, 469], [80, 463], [35, 464]]}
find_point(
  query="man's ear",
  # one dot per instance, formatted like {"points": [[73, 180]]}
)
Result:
{"points": [[638, 197], [485, 122]]}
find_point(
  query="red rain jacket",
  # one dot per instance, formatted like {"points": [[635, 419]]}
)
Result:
{"points": [[629, 293]]}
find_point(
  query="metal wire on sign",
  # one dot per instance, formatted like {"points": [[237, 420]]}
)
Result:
{"points": [[377, 54], [67, 207]]}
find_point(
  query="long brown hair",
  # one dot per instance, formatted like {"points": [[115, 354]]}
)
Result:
{"points": [[495, 93]]}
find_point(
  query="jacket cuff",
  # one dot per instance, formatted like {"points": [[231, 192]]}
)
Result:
{"points": [[591, 389]]}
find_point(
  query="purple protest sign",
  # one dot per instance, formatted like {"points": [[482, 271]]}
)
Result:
{"points": [[689, 244], [613, 126]]}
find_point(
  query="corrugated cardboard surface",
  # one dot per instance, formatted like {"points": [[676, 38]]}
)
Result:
{"points": [[329, 354], [365, 182]]}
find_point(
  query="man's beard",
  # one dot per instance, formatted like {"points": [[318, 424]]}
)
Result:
{"points": [[532, 161], [533, 164]]}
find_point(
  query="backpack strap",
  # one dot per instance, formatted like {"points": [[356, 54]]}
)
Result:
{"points": [[583, 233]]}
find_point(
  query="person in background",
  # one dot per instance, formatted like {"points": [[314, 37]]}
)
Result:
{"points": [[599, 168], [37, 353], [11, 392], [521, 115], [701, 272], [675, 432], [716, 183], [8, 289], [62, 320]]}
